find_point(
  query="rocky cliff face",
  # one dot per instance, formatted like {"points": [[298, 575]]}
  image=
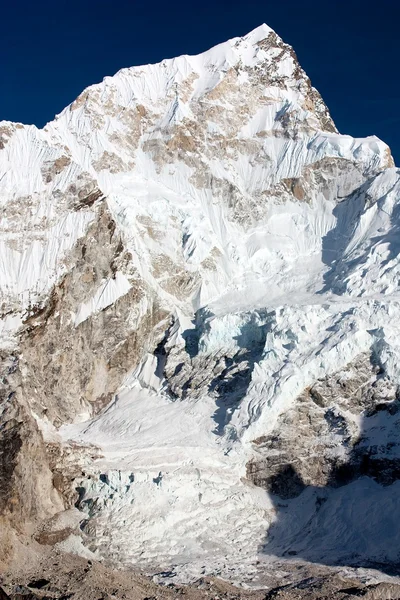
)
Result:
{"points": [[199, 323]]}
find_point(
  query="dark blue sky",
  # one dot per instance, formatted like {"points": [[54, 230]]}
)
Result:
{"points": [[51, 51]]}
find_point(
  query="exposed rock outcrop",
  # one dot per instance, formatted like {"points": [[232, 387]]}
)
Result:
{"points": [[335, 421]]}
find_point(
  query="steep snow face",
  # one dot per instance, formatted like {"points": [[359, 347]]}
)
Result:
{"points": [[261, 246], [220, 161], [46, 202]]}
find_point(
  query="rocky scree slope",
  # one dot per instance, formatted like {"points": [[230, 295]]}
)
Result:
{"points": [[199, 324]]}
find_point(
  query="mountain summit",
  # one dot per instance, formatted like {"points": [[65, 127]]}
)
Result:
{"points": [[199, 299]]}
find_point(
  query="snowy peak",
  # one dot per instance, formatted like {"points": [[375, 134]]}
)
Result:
{"points": [[202, 146], [261, 50], [247, 101], [186, 252]]}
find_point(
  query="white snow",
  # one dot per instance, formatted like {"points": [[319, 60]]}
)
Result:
{"points": [[9, 326], [168, 493], [108, 292]]}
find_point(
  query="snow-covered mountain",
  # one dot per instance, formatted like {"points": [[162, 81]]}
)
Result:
{"points": [[200, 322]]}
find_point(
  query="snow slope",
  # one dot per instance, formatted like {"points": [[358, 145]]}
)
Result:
{"points": [[269, 240]]}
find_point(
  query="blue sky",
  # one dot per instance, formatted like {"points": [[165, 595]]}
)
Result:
{"points": [[51, 51]]}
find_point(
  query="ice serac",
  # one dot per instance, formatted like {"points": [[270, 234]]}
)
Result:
{"points": [[199, 295]]}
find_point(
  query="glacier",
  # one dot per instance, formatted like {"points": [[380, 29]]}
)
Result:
{"points": [[188, 253]]}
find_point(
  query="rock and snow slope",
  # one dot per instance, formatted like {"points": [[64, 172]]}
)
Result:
{"points": [[188, 253]]}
